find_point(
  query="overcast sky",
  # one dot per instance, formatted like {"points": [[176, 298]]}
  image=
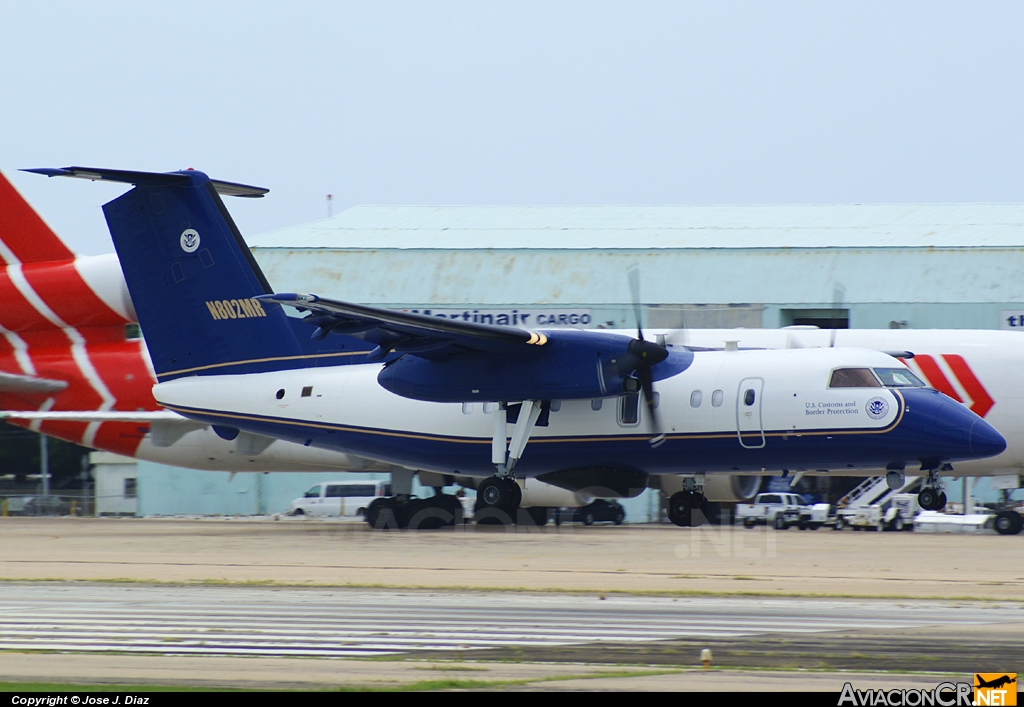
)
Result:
{"points": [[514, 103]]}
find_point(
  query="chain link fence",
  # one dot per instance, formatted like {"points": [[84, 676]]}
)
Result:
{"points": [[63, 503]]}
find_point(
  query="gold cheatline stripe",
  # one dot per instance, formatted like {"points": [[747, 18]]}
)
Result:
{"points": [[537, 440], [260, 360]]}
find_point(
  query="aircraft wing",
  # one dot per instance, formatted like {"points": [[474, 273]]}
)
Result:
{"points": [[94, 415], [14, 383], [405, 332]]}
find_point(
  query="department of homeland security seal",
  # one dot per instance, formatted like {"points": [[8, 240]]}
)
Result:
{"points": [[189, 240], [877, 408]]}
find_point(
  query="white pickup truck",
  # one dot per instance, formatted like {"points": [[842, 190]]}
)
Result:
{"points": [[781, 510]]}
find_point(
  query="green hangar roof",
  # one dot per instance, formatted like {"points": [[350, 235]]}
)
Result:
{"points": [[661, 227], [552, 255]]}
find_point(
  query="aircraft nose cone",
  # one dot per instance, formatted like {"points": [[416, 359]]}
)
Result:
{"points": [[985, 440]]}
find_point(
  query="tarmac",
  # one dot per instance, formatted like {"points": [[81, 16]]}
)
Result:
{"points": [[916, 569], [628, 558]]}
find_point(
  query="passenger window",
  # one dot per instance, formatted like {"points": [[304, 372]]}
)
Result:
{"points": [[556, 405], [313, 493], [489, 408], [335, 492], [595, 404], [629, 409], [748, 397], [717, 398], [695, 398], [467, 408], [853, 378]]}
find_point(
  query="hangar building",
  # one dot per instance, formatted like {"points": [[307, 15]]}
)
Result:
{"points": [[833, 266], [843, 265]]}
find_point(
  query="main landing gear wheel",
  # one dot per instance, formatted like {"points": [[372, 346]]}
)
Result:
{"points": [[517, 496], [497, 501], [702, 502], [380, 514], [392, 513], [438, 511], [680, 509]]}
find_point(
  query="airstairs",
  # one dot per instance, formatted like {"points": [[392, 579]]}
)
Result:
{"points": [[874, 489]]}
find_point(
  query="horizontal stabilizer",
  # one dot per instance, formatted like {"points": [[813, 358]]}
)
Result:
{"points": [[14, 383], [147, 178], [94, 416]]}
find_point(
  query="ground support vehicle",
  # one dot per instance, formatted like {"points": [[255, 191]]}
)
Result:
{"points": [[896, 513], [782, 510], [1009, 518], [1009, 521]]}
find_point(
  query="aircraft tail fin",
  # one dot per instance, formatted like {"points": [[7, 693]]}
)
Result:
{"points": [[192, 278]]}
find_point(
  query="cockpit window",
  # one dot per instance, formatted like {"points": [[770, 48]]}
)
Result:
{"points": [[899, 378], [853, 378]]}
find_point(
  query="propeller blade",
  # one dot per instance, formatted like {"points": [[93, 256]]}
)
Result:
{"points": [[838, 296], [634, 293], [647, 386], [643, 356]]}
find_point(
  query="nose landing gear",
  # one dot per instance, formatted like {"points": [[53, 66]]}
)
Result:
{"points": [[932, 497]]}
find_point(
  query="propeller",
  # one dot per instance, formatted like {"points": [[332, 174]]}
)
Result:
{"points": [[643, 356], [838, 296]]}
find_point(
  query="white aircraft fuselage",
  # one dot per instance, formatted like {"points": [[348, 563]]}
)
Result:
{"points": [[977, 367], [730, 411]]}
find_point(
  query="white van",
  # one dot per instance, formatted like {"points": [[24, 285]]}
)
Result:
{"points": [[339, 498]]}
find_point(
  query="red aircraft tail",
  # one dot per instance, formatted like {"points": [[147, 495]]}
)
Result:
{"points": [[62, 334], [24, 236]]}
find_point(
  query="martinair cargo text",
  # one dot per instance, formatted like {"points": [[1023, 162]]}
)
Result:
{"points": [[465, 399]]}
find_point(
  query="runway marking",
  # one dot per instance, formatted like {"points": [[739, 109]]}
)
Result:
{"points": [[357, 623]]}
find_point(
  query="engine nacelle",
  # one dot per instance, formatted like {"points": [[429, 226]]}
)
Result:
{"points": [[571, 365], [718, 488]]}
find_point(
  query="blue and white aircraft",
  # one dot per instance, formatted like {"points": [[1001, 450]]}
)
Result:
{"points": [[496, 402]]}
